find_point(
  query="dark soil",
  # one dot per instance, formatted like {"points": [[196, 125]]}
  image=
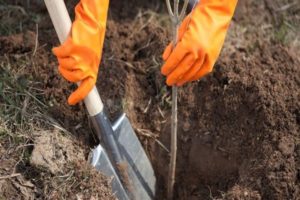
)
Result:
{"points": [[238, 127]]}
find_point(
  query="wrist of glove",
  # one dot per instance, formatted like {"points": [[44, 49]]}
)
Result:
{"points": [[200, 39]]}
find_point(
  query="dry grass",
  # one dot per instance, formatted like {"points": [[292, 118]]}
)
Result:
{"points": [[22, 103]]}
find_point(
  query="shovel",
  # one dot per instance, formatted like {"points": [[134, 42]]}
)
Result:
{"points": [[120, 154]]}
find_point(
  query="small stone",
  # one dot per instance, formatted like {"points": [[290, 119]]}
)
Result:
{"points": [[286, 146], [186, 126]]}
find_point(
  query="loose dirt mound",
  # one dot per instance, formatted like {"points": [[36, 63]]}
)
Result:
{"points": [[238, 127], [244, 128]]}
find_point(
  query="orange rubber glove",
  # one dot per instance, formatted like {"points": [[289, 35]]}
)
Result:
{"points": [[200, 39], [80, 55]]}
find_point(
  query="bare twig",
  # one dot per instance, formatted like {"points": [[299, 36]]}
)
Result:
{"points": [[183, 10], [176, 5], [161, 113], [149, 134], [176, 19], [148, 106], [169, 8], [36, 39], [9, 176], [24, 145]]}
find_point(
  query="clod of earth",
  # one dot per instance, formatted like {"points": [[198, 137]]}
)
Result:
{"points": [[53, 151]]}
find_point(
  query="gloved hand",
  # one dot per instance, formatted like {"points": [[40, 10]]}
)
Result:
{"points": [[200, 39], [80, 55]]}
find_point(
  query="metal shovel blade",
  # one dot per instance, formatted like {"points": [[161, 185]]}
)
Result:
{"points": [[100, 160], [140, 171]]}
